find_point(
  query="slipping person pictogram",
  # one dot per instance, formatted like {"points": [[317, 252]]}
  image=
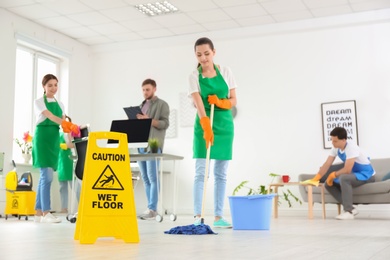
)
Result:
{"points": [[107, 180]]}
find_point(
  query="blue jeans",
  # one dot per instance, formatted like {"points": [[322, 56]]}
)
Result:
{"points": [[43, 191], [149, 175], [220, 172]]}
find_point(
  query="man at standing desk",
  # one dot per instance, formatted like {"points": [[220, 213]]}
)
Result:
{"points": [[158, 110]]}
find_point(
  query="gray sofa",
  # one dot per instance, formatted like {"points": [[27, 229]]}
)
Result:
{"points": [[377, 192]]}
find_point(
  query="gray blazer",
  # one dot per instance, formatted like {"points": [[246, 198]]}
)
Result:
{"points": [[158, 110]]}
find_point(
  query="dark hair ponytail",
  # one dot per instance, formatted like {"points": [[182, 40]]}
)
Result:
{"points": [[46, 79], [201, 41]]}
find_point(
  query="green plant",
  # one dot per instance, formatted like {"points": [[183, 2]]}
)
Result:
{"points": [[154, 144], [288, 196]]}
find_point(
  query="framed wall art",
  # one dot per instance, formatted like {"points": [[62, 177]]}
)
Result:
{"points": [[339, 114]]}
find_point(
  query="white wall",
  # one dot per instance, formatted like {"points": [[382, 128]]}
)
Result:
{"points": [[284, 73]]}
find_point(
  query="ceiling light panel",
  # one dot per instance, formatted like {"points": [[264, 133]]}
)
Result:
{"points": [[157, 8]]}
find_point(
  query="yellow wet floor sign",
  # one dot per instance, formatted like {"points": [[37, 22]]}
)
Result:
{"points": [[106, 207]]}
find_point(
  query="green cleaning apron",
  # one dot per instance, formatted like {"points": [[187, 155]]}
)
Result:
{"points": [[46, 140], [65, 164], [223, 126]]}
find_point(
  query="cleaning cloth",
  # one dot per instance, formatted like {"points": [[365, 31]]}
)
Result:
{"points": [[201, 229], [78, 134], [311, 182]]}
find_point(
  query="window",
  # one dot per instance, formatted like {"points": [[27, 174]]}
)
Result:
{"points": [[31, 66]]}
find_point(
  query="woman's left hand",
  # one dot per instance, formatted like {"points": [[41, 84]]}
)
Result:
{"points": [[221, 103]]}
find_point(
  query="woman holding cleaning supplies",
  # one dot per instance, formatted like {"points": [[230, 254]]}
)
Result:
{"points": [[46, 144], [211, 84], [65, 170]]}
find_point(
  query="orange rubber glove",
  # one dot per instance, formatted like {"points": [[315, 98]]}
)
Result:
{"points": [[317, 177], [221, 103], [68, 127], [208, 134], [330, 178]]}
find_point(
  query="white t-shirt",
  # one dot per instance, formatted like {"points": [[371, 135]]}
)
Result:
{"points": [[226, 74], [352, 151], [39, 107]]}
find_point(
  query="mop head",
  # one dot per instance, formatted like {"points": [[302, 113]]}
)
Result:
{"points": [[201, 229]]}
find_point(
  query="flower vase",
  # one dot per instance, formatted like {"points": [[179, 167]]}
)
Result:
{"points": [[26, 157]]}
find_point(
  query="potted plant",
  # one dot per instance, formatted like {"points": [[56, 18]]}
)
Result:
{"points": [[253, 211], [287, 195], [154, 144]]}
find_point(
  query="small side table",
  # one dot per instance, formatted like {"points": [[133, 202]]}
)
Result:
{"points": [[309, 197]]}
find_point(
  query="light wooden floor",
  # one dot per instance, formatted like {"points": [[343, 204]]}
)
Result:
{"points": [[290, 237]]}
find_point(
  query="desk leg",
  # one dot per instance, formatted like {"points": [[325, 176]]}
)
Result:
{"points": [[323, 201], [310, 200], [276, 202], [174, 188], [160, 185]]}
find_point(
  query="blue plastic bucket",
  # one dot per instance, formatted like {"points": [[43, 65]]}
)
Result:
{"points": [[251, 212]]}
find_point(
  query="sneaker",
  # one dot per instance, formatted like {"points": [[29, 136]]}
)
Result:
{"points": [[49, 218], [146, 212], [355, 211], [222, 223], [197, 221], [346, 215], [150, 216], [37, 219]]}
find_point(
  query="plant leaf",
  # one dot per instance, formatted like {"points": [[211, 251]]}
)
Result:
{"points": [[239, 187]]}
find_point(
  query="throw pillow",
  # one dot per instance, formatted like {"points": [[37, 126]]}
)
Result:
{"points": [[386, 177]]}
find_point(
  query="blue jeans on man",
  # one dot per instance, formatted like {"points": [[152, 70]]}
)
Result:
{"points": [[149, 175]]}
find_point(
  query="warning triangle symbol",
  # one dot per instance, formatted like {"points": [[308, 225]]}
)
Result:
{"points": [[107, 181]]}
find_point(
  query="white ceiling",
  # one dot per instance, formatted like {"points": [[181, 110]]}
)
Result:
{"points": [[100, 22]]}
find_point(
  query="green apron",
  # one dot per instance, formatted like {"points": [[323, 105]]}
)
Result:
{"points": [[223, 126], [65, 164], [46, 140]]}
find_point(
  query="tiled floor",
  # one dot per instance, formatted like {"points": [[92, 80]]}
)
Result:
{"points": [[290, 237]]}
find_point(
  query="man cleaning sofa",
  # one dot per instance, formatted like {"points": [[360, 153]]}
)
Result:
{"points": [[357, 170]]}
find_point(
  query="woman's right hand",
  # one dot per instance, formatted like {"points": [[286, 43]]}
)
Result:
{"points": [[208, 134], [69, 127]]}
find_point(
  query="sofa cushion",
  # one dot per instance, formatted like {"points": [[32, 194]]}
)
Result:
{"points": [[386, 177], [381, 167], [372, 188]]}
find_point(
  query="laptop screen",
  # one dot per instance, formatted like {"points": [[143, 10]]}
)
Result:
{"points": [[137, 131]]}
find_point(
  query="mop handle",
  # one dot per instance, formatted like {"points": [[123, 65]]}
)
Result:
{"points": [[206, 174]]}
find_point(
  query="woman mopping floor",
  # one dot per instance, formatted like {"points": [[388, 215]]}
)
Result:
{"points": [[212, 85]]}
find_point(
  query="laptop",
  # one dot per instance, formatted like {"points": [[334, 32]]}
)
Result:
{"points": [[137, 131]]}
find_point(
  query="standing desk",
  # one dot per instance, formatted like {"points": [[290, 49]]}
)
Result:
{"points": [[161, 157]]}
